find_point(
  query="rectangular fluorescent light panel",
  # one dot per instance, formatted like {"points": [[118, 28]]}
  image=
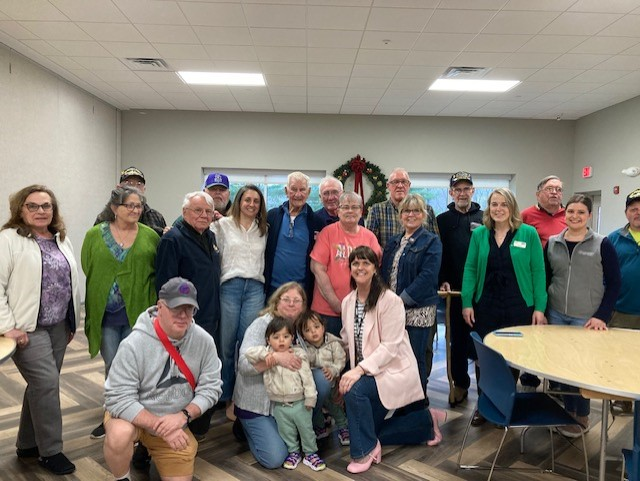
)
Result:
{"points": [[222, 78], [472, 85]]}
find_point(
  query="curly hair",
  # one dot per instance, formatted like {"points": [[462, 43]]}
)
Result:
{"points": [[17, 200]]}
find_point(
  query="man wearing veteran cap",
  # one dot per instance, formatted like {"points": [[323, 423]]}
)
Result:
{"points": [[133, 177], [164, 375], [455, 226], [217, 186]]}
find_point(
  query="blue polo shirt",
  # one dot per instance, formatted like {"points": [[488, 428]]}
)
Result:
{"points": [[290, 260]]}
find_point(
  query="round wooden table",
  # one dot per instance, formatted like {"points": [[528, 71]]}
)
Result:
{"points": [[7, 348]]}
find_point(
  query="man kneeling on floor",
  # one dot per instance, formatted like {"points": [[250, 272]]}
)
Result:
{"points": [[165, 374]]}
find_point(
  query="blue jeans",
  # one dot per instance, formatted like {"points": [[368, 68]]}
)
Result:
{"points": [[572, 403], [324, 391], [240, 301], [265, 442], [112, 336], [365, 415], [421, 340]]}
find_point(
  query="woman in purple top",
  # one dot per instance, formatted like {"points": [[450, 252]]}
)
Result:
{"points": [[39, 309]]}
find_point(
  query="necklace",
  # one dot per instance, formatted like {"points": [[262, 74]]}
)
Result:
{"points": [[123, 239]]}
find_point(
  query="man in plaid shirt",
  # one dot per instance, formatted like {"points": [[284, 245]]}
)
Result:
{"points": [[383, 218]]}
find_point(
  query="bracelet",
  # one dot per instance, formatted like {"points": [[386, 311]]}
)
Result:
{"points": [[186, 413]]}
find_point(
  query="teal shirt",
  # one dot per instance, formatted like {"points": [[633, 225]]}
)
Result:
{"points": [[136, 277], [528, 264]]}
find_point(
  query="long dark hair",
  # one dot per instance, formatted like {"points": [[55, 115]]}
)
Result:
{"points": [[17, 200], [261, 217], [378, 286]]}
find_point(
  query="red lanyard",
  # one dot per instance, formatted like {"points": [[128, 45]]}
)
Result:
{"points": [[175, 355]]}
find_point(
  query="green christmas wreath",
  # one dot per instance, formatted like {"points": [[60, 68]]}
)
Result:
{"points": [[359, 166]]}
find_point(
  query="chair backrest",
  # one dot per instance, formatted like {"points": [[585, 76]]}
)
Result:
{"points": [[496, 380]]}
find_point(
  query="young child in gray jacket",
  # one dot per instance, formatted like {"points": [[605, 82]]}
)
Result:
{"points": [[293, 394]]}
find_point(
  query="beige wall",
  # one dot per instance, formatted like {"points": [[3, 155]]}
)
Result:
{"points": [[172, 147]]}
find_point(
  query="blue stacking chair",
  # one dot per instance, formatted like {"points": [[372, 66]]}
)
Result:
{"points": [[501, 405]]}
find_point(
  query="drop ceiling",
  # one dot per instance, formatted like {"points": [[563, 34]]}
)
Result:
{"points": [[368, 57]]}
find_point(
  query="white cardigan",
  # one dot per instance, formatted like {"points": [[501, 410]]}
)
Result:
{"points": [[21, 280]]}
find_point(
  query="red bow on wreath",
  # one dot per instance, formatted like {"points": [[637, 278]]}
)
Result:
{"points": [[357, 165]]}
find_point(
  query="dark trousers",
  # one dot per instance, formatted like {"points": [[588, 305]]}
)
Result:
{"points": [[461, 345]]}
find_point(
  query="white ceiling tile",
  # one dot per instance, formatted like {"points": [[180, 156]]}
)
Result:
{"points": [[224, 107], [409, 83], [192, 65], [234, 66], [151, 12], [632, 51], [576, 87], [326, 91], [406, 3], [514, 22], [398, 19], [290, 99], [281, 54], [554, 75], [382, 71], [160, 77], [462, 107], [610, 6], [169, 34], [627, 26], [88, 76], [419, 72], [290, 108], [223, 35], [80, 49], [459, 21], [166, 87], [552, 43], [337, 18], [56, 30], [112, 32], [577, 61], [497, 43], [284, 68], [213, 93], [401, 96], [575, 23], [284, 91], [283, 16], [151, 100], [633, 78], [184, 100], [556, 96], [331, 55], [279, 37], [250, 94], [119, 76], [528, 60], [325, 100], [15, 30], [546, 5], [600, 76], [356, 110], [480, 59], [391, 108], [431, 59], [231, 52], [32, 10], [323, 109], [470, 4], [366, 83], [381, 57], [329, 69], [509, 73], [195, 52], [364, 93], [286, 80], [67, 63], [620, 62], [215, 15], [336, 82], [605, 45], [389, 40], [444, 42], [256, 107], [100, 63], [530, 87], [130, 49], [90, 10], [334, 38], [42, 47]]}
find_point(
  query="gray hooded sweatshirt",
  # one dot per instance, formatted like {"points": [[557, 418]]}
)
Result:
{"points": [[143, 375]]}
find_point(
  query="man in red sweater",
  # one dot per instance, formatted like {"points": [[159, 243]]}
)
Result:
{"points": [[547, 216]]}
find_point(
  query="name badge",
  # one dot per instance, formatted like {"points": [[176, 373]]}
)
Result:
{"points": [[520, 244]]}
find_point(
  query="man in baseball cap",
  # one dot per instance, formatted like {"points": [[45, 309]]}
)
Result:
{"points": [[217, 186]]}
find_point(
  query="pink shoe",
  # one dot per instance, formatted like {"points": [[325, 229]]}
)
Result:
{"points": [[438, 417], [375, 455]]}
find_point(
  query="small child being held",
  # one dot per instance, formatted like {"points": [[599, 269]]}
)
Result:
{"points": [[325, 351], [293, 394]]}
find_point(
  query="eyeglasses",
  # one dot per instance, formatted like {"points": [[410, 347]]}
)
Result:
{"points": [[288, 300], [411, 211], [31, 207], [131, 206], [133, 183], [464, 190], [400, 182], [350, 207], [198, 211], [551, 190], [186, 310]]}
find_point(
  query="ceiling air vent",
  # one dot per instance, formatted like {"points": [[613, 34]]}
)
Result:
{"points": [[465, 72], [150, 64]]}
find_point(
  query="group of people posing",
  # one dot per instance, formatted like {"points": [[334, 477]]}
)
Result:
{"points": [[290, 318]]}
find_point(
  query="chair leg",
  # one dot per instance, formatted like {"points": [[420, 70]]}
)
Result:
{"points": [[553, 452], [464, 440], [522, 435], [495, 458], [584, 450]]}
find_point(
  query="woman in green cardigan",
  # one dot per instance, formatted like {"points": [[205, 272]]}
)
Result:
{"points": [[118, 258], [504, 281]]}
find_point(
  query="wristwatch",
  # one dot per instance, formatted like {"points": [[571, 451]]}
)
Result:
{"points": [[186, 413]]}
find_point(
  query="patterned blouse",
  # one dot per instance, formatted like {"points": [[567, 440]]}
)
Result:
{"points": [[358, 329], [115, 302], [55, 293]]}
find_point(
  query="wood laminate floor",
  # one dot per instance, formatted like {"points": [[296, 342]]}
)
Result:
{"points": [[222, 458]]}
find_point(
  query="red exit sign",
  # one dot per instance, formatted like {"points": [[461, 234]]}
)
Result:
{"points": [[587, 171]]}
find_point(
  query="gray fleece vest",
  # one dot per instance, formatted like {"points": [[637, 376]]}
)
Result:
{"points": [[577, 285]]}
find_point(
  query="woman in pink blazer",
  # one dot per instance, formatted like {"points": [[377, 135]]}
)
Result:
{"points": [[384, 374]]}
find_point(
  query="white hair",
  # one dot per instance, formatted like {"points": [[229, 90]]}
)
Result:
{"points": [[297, 175], [350, 196], [326, 180], [193, 195]]}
